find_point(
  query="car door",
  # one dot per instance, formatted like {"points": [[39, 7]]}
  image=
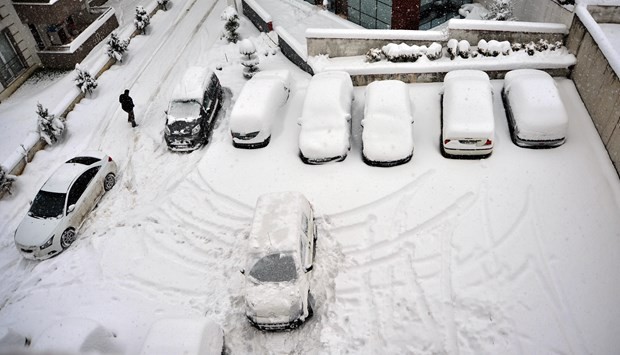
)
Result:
{"points": [[83, 195]]}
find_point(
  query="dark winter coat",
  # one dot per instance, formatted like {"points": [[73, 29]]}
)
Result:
{"points": [[126, 102]]}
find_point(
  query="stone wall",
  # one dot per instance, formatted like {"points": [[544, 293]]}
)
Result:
{"points": [[598, 86]]}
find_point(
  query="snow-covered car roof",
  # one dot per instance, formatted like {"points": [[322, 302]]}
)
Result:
{"points": [[388, 98], [183, 336], [193, 84], [259, 100], [328, 98], [467, 104], [276, 222], [61, 179], [536, 106]]}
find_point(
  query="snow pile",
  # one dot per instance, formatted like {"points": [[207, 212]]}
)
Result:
{"points": [[467, 105], [76, 336], [536, 105], [259, 101], [387, 134], [326, 115]]}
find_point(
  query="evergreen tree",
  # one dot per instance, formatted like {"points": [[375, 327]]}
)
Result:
{"points": [[50, 127], [142, 19], [84, 81], [232, 24], [116, 47], [6, 181], [249, 59], [501, 10], [163, 4]]}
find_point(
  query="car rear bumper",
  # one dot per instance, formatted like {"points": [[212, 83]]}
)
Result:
{"points": [[250, 144]]}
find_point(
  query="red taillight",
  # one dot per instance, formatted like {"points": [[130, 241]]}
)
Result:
{"points": [[109, 158], [446, 141], [488, 142]]}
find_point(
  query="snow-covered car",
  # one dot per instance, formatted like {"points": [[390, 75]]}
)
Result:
{"points": [[326, 118], [61, 206], [191, 112], [177, 336], [387, 135], [281, 250], [257, 108], [74, 335], [536, 114], [468, 123]]}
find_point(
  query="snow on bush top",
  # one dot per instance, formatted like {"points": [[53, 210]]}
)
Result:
{"points": [[229, 13], [536, 105], [246, 47], [192, 86], [259, 101], [467, 105], [513, 26]]}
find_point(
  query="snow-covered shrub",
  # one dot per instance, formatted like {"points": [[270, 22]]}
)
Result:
{"points": [[530, 48], [142, 19], [50, 127], [374, 55], [557, 45], [494, 49], [232, 24], [116, 47], [84, 81], [501, 10], [542, 45], [483, 47], [403, 52], [452, 48], [6, 181], [249, 59], [163, 4], [505, 47], [516, 47], [463, 49], [434, 51]]}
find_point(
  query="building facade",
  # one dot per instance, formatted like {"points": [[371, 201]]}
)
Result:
{"points": [[395, 14]]}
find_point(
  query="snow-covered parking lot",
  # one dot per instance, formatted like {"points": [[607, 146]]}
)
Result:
{"points": [[516, 253]]}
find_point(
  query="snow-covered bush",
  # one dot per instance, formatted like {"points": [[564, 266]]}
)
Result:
{"points": [[501, 10], [505, 47], [494, 49], [84, 81], [516, 47], [6, 181], [142, 19], [530, 48], [463, 49], [557, 45], [483, 47], [434, 51], [453, 45], [163, 4], [249, 59], [50, 127], [542, 45], [374, 55], [116, 47], [232, 24]]}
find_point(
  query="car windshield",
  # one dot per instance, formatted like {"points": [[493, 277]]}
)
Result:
{"points": [[47, 205], [278, 267], [184, 109]]}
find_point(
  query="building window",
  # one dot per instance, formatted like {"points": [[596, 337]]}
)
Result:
{"points": [[375, 14], [11, 62]]}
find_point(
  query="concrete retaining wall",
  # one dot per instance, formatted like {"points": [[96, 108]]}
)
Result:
{"points": [[291, 50], [257, 15], [598, 86]]}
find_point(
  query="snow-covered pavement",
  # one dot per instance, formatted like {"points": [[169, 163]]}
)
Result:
{"points": [[513, 254]]}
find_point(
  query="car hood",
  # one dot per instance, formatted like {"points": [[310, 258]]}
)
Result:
{"points": [[272, 299], [35, 231]]}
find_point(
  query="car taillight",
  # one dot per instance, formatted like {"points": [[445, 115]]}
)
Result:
{"points": [[109, 158], [488, 142], [446, 141]]}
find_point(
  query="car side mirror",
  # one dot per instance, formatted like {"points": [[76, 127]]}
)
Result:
{"points": [[70, 209]]}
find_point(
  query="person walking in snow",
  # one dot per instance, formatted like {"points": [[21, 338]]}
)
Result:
{"points": [[127, 106]]}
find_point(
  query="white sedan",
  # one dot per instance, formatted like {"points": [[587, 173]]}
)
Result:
{"points": [[62, 204]]}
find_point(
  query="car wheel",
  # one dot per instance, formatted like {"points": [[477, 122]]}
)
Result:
{"points": [[67, 238], [109, 182]]}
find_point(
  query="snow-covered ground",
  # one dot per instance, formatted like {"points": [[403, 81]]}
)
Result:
{"points": [[513, 254], [612, 31]]}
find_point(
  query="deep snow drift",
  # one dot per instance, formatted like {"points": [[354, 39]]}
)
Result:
{"points": [[517, 253]]}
